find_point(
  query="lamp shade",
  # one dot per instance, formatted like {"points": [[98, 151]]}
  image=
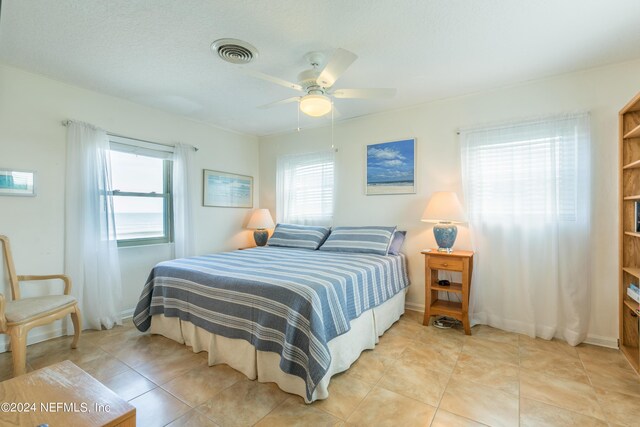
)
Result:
{"points": [[261, 218], [444, 206], [315, 105]]}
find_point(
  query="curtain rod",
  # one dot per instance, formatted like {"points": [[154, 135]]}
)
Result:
{"points": [[65, 123]]}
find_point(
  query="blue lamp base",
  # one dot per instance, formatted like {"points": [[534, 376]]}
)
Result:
{"points": [[445, 234], [261, 237]]}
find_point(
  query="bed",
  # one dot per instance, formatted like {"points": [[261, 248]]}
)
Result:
{"points": [[285, 315]]}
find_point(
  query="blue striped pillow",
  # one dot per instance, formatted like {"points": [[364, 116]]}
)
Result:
{"points": [[371, 240], [298, 236]]}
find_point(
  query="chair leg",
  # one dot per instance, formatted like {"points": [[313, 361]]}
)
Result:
{"points": [[75, 318], [19, 350]]}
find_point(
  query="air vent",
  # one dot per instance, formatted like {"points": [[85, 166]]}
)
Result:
{"points": [[234, 51]]}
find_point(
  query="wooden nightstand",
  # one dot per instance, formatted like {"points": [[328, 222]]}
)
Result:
{"points": [[460, 261]]}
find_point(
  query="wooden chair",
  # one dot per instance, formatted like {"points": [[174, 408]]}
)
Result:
{"points": [[19, 315]]}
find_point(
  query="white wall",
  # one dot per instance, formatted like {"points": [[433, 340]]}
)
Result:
{"points": [[32, 108], [602, 91]]}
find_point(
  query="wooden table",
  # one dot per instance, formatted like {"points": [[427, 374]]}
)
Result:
{"points": [[62, 395], [459, 261]]}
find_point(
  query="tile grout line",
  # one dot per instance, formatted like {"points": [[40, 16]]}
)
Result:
{"points": [[483, 384], [571, 410], [444, 390], [272, 409], [519, 383], [384, 371], [400, 394], [593, 388]]}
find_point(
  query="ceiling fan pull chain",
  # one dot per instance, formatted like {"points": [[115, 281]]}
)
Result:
{"points": [[298, 116], [333, 147]]}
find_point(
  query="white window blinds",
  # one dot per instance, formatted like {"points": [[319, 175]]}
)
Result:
{"points": [[526, 169], [305, 188]]}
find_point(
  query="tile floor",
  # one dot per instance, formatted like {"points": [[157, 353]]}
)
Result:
{"points": [[416, 376]]}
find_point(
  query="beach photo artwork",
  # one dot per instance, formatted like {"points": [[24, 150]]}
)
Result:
{"points": [[227, 190], [391, 167], [17, 183]]}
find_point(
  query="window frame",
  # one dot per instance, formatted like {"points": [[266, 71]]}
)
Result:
{"points": [[290, 162], [167, 195]]}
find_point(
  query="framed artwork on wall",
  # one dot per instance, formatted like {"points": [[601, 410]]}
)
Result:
{"points": [[227, 190], [17, 183], [391, 167]]}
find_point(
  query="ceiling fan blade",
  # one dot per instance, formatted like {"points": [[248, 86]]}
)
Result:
{"points": [[281, 102], [364, 93], [272, 79], [337, 64]]}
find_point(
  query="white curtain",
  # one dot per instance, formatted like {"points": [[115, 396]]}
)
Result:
{"points": [[527, 188], [91, 249], [305, 188], [183, 190]]}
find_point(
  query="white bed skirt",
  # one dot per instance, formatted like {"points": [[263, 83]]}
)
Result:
{"points": [[265, 366]]}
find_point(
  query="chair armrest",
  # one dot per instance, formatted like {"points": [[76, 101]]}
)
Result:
{"points": [[3, 320], [63, 277]]}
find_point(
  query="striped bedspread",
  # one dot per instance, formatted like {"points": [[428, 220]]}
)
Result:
{"points": [[283, 300]]}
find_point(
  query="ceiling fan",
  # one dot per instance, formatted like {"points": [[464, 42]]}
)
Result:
{"points": [[317, 84]]}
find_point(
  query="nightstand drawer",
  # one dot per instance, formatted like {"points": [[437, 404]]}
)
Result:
{"points": [[445, 263]]}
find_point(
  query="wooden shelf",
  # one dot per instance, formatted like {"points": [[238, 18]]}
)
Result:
{"points": [[631, 303], [633, 133], [448, 308], [632, 197], [631, 233], [453, 287], [633, 105], [632, 165], [632, 271]]}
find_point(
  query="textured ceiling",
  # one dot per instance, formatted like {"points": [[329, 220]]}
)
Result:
{"points": [[156, 52]]}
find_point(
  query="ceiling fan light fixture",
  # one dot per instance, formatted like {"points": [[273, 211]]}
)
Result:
{"points": [[315, 105]]}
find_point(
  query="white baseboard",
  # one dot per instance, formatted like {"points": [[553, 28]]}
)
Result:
{"points": [[598, 340], [34, 338], [602, 341], [414, 307]]}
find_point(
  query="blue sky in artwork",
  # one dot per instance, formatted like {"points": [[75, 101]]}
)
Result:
{"points": [[390, 162]]}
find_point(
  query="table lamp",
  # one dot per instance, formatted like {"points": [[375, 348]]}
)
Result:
{"points": [[260, 221], [445, 210]]}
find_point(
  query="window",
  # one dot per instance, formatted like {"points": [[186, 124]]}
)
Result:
{"points": [[527, 170], [141, 188], [305, 188]]}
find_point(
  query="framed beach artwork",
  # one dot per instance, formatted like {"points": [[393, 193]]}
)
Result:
{"points": [[17, 183], [391, 167], [227, 190]]}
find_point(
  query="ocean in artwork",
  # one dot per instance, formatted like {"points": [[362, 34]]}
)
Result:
{"points": [[391, 167], [228, 190], [16, 183]]}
